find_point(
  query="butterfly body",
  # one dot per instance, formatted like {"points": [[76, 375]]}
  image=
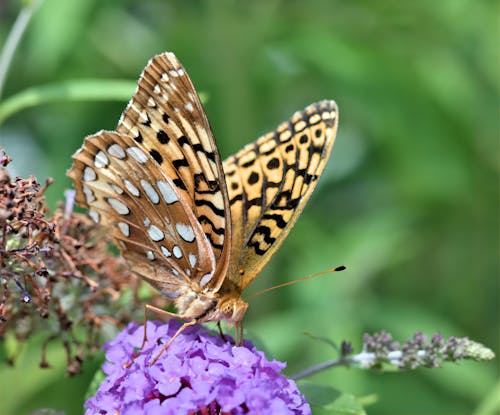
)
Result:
{"points": [[224, 305], [199, 230]]}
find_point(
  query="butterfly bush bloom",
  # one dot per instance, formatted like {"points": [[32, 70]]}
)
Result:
{"points": [[198, 374]]}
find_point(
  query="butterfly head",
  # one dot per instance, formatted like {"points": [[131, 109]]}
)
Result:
{"points": [[232, 309]]}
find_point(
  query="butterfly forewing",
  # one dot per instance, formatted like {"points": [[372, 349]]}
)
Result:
{"points": [[270, 181], [154, 226], [166, 118]]}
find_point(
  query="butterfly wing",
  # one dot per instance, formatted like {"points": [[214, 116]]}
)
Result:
{"points": [[165, 116], [269, 183], [158, 234], [158, 180]]}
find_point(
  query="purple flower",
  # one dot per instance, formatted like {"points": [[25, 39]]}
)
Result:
{"points": [[198, 374]]}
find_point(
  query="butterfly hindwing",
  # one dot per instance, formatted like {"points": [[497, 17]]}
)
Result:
{"points": [[270, 181], [155, 228]]}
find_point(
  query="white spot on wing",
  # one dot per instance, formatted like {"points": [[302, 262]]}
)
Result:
{"points": [[89, 174], [131, 188], [177, 252], [118, 206], [205, 279], [150, 191], [167, 192], [189, 107], [143, 114], [89, 195], [156, 89], [186, 232], [116, 188], [147, 222], [94, 215], [165, 251], [137, 154], [155, 233], [116, 151], [192, 260], [124, 228], [150, 255], [101, 160]]}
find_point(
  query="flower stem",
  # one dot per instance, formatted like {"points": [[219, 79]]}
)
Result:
{"points": [[343, 361], [13, 39]]}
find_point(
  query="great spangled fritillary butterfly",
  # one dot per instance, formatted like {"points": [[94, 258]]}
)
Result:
{"points": [[197, 229]]}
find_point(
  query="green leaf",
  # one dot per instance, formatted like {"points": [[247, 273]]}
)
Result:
{"points": [[99, 376], [491, 402], [331, 399], [77, 90]]}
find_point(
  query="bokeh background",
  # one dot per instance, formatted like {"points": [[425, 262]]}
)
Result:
{"points": [[408, 201]]}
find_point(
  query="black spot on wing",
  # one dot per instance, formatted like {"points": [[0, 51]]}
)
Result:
{"points": [[157, 156], [180, 163], [180, 184], [253, 178], [162, 137], [138, 138]]}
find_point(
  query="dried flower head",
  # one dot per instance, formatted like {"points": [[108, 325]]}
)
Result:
{"points": [[198, 374], [56, 272]]}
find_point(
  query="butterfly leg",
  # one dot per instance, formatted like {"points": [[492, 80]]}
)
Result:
{"points": [[158, 311], [242, 340], [221, 332], [167, 345], [238, 336]]}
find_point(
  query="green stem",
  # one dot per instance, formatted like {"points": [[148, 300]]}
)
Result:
{"points": [[319, 368], [13, 39]]}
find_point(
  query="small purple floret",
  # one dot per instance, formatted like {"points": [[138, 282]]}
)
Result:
{"points": [[198, 374]]}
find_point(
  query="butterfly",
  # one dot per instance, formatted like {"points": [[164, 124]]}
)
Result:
{"points": [[197, 229]]}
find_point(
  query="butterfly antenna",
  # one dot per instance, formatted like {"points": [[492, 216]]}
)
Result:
{"points": [[309, 277]]}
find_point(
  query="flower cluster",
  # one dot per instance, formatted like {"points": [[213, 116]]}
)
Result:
{"points": [[198, 374], [56, 272], [380, 348]]}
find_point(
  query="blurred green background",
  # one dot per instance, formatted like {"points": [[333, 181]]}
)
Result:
{"points": [[408, 201]]}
